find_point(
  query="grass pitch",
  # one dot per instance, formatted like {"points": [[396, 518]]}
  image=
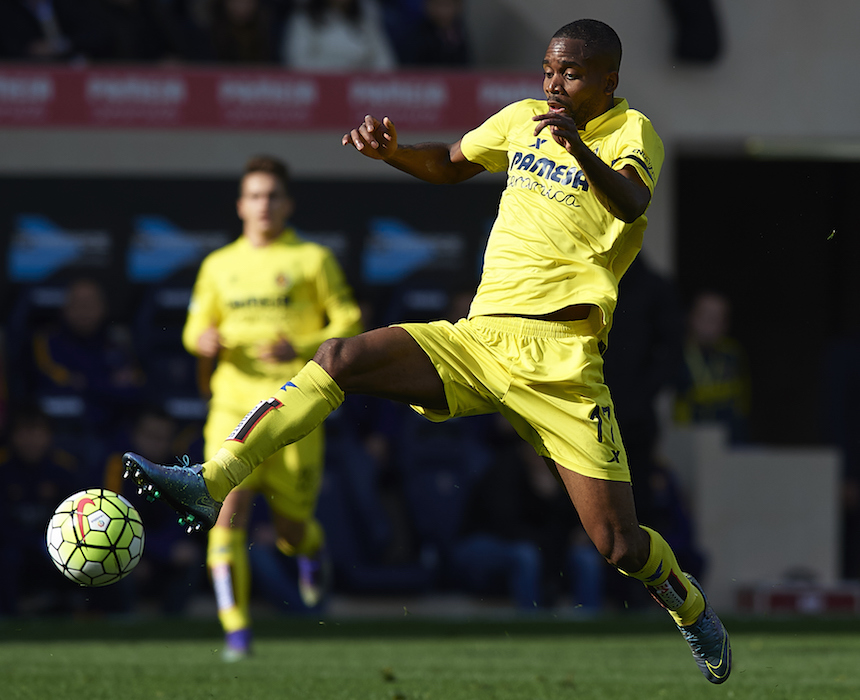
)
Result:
{"points": [[415, 659]]}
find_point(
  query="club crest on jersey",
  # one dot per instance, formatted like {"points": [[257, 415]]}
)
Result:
{"points": [[240, 434], [282, 280]]}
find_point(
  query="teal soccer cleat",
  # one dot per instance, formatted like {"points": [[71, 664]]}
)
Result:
{"points": [[709, 642], [181, 486]]}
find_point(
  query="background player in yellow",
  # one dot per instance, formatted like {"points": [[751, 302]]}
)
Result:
{"points": [[581, 166], [260, 307]]}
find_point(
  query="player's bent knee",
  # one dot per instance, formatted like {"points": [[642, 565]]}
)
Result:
{"points": [[622, 552], [333, 356]]}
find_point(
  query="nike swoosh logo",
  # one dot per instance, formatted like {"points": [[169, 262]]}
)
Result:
{"points": [[722, 668]]}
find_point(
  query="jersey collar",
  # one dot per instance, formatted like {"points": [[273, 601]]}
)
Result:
{"points": [[619, 107]]}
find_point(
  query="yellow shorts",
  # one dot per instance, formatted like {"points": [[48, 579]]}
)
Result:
{"points": [[545, 377], [290, 479]]}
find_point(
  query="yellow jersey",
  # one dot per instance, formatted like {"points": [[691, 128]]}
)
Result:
{"points": [[290, 288], [553, 243]]}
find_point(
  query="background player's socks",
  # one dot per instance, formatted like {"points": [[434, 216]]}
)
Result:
{"points": [[313, 565], [227, 558], [312, 541], [294, 411], [667, 583]]}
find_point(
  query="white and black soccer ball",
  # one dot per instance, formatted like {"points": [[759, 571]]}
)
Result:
{"points": [[95, 537]]}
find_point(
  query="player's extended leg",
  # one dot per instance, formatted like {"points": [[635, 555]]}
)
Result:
{"points": [[608, 514], [228, 563], [385, 362]]}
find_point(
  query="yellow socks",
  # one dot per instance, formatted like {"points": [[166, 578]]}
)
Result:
{"points": [[294, 411], [667, 584], [311, 543], [227, 558]]}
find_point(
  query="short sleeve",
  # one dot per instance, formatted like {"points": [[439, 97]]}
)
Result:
{"points": [[641, 147], [487, 145]]}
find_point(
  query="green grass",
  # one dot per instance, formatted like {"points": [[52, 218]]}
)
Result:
{"points": [[408, 659]]}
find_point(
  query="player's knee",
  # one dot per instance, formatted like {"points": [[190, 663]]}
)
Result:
{"points": [[621, 550], [333, 356]]}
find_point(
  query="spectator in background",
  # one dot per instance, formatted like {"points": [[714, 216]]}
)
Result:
{"points": [[324, 35], [715, 381], [439, 38], [644, 358], [172, 570], [85, 360], [134, 30], [43, 30], [36, 477], [242, 31]]}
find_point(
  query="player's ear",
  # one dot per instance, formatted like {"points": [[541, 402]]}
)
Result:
{"points": [[611, 84]]}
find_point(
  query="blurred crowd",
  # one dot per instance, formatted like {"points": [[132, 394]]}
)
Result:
{"points": [[399, 501], [314, 35]]}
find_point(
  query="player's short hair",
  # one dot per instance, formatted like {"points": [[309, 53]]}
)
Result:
{"points": [[596, 34], [267, 164]]}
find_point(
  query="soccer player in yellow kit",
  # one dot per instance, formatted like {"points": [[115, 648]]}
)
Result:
{"points": [[261, 306], [581, 167]]}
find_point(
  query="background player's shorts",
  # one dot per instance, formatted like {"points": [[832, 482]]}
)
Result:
{"points": [[545, 377], [290, 479]]}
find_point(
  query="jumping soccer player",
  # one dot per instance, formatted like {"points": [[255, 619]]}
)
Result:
{"points": [[581, 167]]}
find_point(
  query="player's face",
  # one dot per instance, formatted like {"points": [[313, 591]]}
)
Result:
{"points": [[577, 81], [264, 205]]}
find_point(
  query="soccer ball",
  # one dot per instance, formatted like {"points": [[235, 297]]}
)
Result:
{"points": [[95, 537]]}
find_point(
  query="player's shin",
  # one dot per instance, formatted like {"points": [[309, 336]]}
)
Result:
{"points": [[295, 410], [667, 583]]}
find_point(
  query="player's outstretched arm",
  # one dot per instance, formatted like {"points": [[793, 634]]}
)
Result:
{"points": [[438, 163]]}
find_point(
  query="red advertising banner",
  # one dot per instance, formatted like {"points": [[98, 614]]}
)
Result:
{"points": [[210, 98]]}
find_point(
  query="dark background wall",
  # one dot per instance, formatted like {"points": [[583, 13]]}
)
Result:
{"points": [[780, 239]]}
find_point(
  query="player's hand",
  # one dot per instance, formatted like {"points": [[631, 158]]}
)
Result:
{"points": [[209, 342], [562, 128], [279, 351], [373, 138]]}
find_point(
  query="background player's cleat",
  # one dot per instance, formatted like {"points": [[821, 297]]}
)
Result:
{"points": [[181, 486], [237, 645], [709, 642], [314, 578]]}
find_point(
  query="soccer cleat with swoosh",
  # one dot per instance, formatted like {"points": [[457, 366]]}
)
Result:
{"points": [[181, 486], [709, 642]]}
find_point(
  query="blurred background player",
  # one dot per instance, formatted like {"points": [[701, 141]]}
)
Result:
{"points": [[260, 307], [715, 380]]}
